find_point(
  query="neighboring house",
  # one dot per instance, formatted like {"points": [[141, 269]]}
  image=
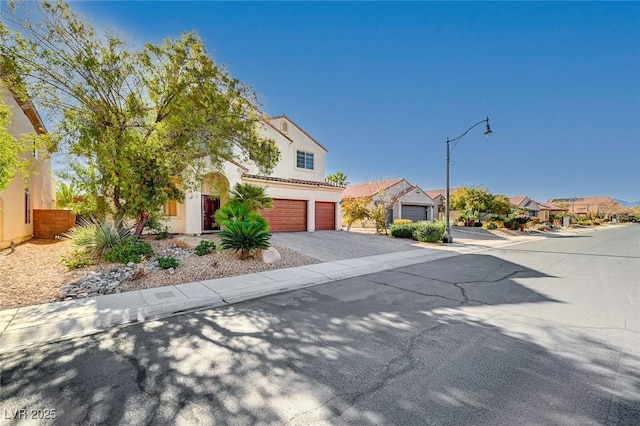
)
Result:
{"points": [[438, 196], [590, 207], [302, 199], [407, 201], [525, 203], [18, 202], [547, 211]]}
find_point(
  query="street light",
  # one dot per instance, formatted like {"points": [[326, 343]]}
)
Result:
{"points": [[447, 234]]}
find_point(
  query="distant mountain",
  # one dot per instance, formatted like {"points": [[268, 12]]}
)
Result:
{"points": [[628, 203]]}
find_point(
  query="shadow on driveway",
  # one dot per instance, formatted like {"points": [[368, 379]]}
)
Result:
{"points": [[329, 246]]}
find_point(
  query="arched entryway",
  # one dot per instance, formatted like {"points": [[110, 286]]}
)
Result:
{"points": [[214, 195]]}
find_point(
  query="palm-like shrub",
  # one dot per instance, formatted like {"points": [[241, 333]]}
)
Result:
{"points": [[254, 197], [235, 211], [245, 237]]}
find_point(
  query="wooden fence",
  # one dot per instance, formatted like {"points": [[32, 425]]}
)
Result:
{"points": [[48, 224]]}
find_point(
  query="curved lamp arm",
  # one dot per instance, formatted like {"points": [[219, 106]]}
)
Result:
{"points": [[487, 132]]}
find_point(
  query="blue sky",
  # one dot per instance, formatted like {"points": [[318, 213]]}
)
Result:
{"points": [[382, 85]]}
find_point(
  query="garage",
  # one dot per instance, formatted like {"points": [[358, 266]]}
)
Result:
{"points": [[325, 216], [286, 215], [415, 213]]}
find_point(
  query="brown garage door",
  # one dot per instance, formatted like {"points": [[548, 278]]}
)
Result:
{"points": [[325, 216], [286, 215]]}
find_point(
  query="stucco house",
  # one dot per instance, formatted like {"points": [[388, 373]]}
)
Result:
{"points": [[407, 201], [302, 199], [547, 211], [525, 203], [17, 202]]}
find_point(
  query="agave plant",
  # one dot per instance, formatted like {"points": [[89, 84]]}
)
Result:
{"points": [[245, 237], [97, 236]]}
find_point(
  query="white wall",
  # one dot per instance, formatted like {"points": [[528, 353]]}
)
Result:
{"points": [[12, 199]]}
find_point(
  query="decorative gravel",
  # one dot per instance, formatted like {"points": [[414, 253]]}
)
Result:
{"points": [[33, 275]]}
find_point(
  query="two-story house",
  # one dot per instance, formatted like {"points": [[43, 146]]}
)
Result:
{"points": [[17, 201], [302, 199]]}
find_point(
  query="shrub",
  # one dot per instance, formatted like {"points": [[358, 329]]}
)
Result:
{"points": [[167, 262], [245, 237], [428, 232], [162, 234], [237, 212], [97, 236], [402, 221], [402, 230], [491, 225], [76, 259], [130, 249], [205, 247]]}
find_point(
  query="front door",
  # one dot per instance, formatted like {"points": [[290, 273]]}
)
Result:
{"points": [[209, 207]]}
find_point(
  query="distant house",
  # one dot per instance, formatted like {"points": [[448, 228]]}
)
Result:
{"points": [[547, 211], [302, 199], [522, 202], [406, 201], [590, 207], [438, 196], [17, 201]]}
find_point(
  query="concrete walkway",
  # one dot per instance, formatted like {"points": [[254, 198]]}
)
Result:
{"points": [[33, 325]]}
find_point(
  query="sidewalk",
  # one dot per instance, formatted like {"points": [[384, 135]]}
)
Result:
{"points": [[33, 325]]}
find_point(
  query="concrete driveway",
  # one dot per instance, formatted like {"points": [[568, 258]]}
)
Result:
{"points": [[329, 246]]}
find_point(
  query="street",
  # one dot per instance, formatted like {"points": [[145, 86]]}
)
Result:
{"points": [[545, 332]]}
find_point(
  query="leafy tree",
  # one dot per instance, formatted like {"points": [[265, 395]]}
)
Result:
{"points": [[338, 178], [472, 201], [11, 149], [254, 197], [130, 120], [354, 209]]}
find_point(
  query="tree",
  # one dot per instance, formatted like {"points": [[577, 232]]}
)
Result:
{"points": [[474, 200], [130, 120], [338, 178], [354, 209], [254, 197], [12, 149], [65, 195]]}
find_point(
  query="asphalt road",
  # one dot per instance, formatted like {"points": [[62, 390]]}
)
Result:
{"points": [[540, 333]]}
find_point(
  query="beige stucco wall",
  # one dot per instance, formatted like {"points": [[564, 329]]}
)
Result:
{"points": [[301, 142], [12, 199], [415, 197]]}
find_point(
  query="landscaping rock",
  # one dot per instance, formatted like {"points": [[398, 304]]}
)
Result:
{"points": [[270, 255]]}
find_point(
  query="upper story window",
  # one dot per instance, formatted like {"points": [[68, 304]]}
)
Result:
{"points": [[304, 160], [285, 128]]}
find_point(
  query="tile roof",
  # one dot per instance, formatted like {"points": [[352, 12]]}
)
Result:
{"points": [[369, 189], [296, 181], [547, 206], [517, 200]]}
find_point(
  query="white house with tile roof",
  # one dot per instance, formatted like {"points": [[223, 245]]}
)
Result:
{"points": [[302, 199]]}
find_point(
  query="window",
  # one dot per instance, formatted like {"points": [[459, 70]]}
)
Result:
{"points": [[285, 128], [27, 207], [304, 160], [171, 208]]}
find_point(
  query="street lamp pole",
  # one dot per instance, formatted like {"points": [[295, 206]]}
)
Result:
{"points": [[447, 234]]}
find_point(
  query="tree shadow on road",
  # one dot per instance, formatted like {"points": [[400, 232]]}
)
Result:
{"points": [[410, 346]]}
